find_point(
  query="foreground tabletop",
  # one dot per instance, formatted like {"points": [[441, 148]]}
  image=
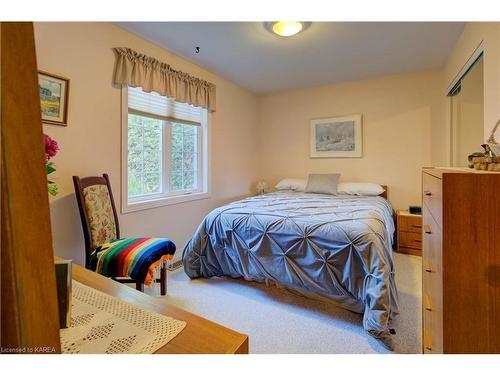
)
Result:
{"points": [[200, 336]]}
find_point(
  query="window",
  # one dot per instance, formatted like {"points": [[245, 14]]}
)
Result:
{"points": [[165, 151]]}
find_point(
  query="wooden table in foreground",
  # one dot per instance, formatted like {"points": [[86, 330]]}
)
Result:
{"points": [[200, 336]]}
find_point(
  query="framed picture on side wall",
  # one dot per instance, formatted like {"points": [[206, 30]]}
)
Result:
{"points": [[337, 137], [54, 93]]}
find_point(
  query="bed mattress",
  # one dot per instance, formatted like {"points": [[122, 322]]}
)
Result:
{"points": [[334, 247]]}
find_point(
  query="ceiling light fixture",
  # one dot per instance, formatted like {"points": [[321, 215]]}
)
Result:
{"points": [[286, 28]]}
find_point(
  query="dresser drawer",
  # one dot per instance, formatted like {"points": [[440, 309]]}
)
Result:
{"points": [[410, 239], [428, 335], [407, 223], [428, 325], [431, 340], [432, 322], [432, 313], [432, 241], [432, 196], [427, 342]]}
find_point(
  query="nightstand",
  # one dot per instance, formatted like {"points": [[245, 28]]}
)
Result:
{"points": [[409, 227]]}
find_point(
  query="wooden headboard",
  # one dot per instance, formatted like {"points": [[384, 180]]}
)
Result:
{"points": [[384, 194]]}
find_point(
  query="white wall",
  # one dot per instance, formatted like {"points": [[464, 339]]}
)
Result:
{"points": [[398, 113]]}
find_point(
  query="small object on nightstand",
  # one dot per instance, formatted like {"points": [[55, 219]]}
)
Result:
{"points": [[262, 187], [415, 210], [409, 236]]}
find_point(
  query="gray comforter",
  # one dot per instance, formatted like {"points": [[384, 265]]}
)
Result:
{"points": [[338, 247]]}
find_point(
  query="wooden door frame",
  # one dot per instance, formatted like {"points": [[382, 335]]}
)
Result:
{"points": [[29, 311]]}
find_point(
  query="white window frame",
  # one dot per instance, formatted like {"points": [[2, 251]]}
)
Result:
{"points": [[159, 200]]}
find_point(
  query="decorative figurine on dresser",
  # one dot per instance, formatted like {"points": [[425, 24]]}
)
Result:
{"points": [[461, 261], [489, 160]]}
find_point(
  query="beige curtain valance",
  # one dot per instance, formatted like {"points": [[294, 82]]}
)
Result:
{"points": [[137, 70]]}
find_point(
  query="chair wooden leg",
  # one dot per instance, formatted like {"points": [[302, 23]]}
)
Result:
{"points": [[139, 286], [163, 281]]}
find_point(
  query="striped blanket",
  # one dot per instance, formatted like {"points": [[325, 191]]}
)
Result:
{"points": [[135, 257]]}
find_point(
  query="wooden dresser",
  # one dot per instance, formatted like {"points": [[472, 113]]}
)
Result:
{"points": [[461, 261]]}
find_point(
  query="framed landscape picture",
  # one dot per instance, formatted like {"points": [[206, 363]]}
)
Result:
{"points": [[54, 91], [336, 137]]}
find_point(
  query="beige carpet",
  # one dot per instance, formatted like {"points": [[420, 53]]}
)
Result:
{"points": [[278, 321]]}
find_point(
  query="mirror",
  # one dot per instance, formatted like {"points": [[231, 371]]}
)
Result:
{"points": [[467, 115]]}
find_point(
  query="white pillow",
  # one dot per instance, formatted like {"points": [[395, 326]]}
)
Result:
{"points": [[296, 184], [360, 188]]}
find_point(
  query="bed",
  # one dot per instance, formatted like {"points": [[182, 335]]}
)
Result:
{"points": [[333, 247]]}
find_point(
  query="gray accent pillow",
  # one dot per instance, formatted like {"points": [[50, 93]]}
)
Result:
{"points": [[323, 183]]}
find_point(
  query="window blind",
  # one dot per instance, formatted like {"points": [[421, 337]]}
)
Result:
{"points": [[155, 105]]}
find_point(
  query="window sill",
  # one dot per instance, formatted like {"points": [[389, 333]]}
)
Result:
{"points": [[164, 201]]}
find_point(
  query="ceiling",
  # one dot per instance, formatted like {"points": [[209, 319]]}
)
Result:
{"points": [[325, 53]]}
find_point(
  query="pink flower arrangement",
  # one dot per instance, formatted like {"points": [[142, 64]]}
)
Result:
{"points": [[51, 149]]}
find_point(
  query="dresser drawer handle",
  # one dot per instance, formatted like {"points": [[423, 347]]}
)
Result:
{"points": [[418, 241], [427, 267], [416, 226], [428, 193], [427, 302], [427, 229], [428, 348]]}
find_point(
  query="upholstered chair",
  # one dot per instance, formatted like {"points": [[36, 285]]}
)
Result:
{"points": [[126, 260]]}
